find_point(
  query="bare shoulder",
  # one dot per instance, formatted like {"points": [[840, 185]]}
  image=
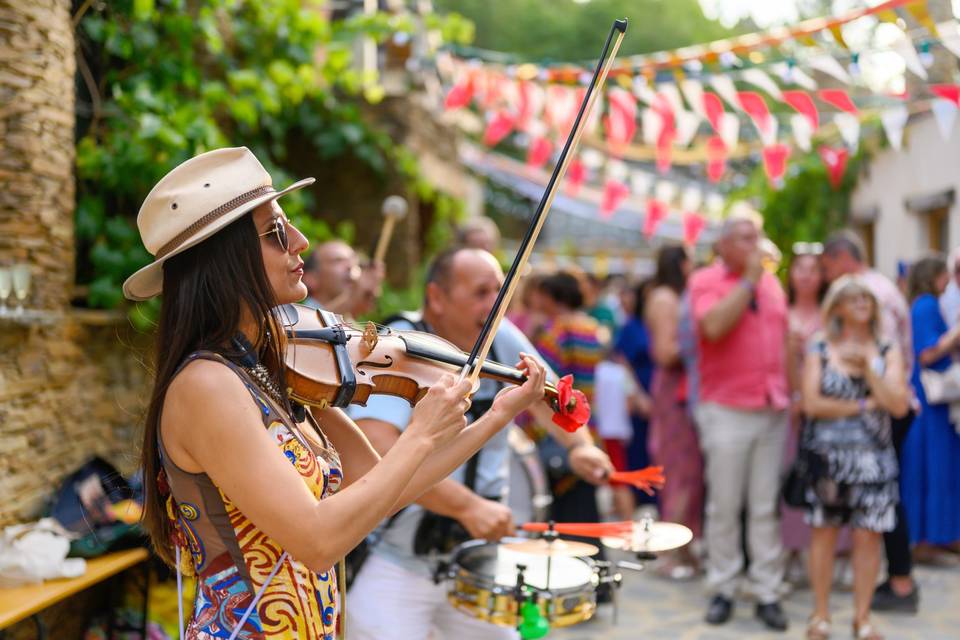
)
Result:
{"points": [[203, 380], [663, 297]]}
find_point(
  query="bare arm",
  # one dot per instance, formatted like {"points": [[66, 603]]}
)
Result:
{"points": [[817, 405], [225, 439], [947, 343], [663, 318]]}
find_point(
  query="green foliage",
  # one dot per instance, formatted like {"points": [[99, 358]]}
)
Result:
{"points": [[807, 208], [566, 30], [176, 78]]}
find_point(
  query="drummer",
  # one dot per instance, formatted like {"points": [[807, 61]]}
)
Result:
{"points": [[394, 594]]}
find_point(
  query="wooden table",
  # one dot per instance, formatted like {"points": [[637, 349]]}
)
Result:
{"points": [[19, 603]]}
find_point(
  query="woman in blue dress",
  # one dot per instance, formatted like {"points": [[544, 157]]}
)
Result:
{"points": [[930, 474]]}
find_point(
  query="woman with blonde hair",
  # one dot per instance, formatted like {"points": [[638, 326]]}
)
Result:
{"points": [[852, 383]]}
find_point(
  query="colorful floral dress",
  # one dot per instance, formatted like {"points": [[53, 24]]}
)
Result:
{"points": [[232, 558]]}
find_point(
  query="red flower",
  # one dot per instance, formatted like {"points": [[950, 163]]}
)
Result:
{"points": [[572, 410]]}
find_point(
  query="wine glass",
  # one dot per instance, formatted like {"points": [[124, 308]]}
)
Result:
{"points": [[21, 283], [6, 286]]}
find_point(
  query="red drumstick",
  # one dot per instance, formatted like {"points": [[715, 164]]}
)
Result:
{"points": [[646, 479]]}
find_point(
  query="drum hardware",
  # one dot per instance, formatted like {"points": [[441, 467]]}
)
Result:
{"points": [[531, 623], [649, 538]]}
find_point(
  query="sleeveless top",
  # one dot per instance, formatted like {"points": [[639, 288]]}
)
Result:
{"points": [[232, 558]]}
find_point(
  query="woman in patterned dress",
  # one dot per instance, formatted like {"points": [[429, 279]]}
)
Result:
{"points": [[256, 496], [852, 384]]}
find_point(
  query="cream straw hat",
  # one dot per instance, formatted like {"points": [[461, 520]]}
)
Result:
{"points": [[194, 201]]}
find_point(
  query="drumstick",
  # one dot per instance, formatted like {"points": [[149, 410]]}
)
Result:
{"points": [[646, 479], [585, 529], [394, 209]]}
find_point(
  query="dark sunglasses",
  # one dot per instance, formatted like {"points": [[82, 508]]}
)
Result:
{"points": [[279, 228]]}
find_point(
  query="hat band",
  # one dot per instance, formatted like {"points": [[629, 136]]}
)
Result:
{"points": [[211, 217]]}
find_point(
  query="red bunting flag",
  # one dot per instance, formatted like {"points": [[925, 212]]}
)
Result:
{"points": [[539, 151], [693, 225], [835, 159], [576, 176], [713, 108], [716, 158], [775, 163], [621, 123], [949, 92], [803, 103], [459, 95], [664, 151], [614, 193], [656, 211], [839, 98], [499, 127], [756, 107]]}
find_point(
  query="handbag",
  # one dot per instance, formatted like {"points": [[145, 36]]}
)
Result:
{"points": [[799, 476], [941, 387]]}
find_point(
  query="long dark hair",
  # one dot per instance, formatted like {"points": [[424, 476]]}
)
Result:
{"points": [[205, 290], [670, 273], [923, 275]]}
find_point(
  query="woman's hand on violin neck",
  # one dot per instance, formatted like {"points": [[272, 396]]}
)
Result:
{"points": [[439, 417], [513, 400]]}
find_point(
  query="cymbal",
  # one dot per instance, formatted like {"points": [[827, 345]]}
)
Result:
{"points": [[555, 548], [651, 537]]}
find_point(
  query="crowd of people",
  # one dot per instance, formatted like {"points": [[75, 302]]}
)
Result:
{"points": [[735, 381], [712, 371]]}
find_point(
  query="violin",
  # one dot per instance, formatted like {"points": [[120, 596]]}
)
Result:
{"points": [[334, 364]]}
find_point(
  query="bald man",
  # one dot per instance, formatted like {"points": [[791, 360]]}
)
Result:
{"points": [[337, 282]]}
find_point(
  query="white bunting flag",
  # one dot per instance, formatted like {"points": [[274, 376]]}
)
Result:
{"points": [[665, 191], [640, 183], [768, 135], [714, 206], [687, 124], [727, 90], [616, 170], [950, 36], [652, 124], [641, 89], [669, 91], [894, 121], [693, 92], [790, 74], [591, 158], [828, 65], [904, 48], [691, 199], [730, 130], [758, 78], [849, 126], [945, 113], [802, 131]]}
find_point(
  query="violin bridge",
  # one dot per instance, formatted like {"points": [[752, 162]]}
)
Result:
{"points": [[370, 336]]}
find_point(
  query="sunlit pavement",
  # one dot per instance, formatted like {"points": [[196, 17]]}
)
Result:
{"points": [[653, 607]]}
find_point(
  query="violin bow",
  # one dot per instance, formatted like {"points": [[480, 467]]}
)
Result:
{"points": [[482, 347]]}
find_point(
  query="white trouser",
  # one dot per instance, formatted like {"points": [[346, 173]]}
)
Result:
{"points": [[743, 452], [387, 601]]}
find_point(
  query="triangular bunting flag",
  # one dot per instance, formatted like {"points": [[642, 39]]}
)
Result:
{"points": [[949, 92], [664, 152], [693, 92], [459, 95], [640, 183], [576, 176], [716, 158], [758, 78], [755, 106], [713, 109], [835, 159], [687, 125], [672, 95], [614, 193], [904, 48], [538, 152], [775, 163], [656, 211], [652, 125], [921, 14], [830, 66], [802, 131], [837, 34], [803, 103], [730, 130], [691, 199], [726, 89], [693, 226], [641, 89], [498, 128], [894, 120], [945, 113], [849, 126], [839, 98], [949, 32]]}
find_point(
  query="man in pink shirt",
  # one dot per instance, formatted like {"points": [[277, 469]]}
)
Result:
{"points": [[741, 316]]}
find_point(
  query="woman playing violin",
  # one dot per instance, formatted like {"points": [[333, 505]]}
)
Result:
{"points": [[254, 495]]}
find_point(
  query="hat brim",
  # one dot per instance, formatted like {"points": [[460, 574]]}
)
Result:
{"points": [[148, 281]]}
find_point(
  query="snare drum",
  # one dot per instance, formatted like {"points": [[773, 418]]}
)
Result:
{"points": [[484, 576]]}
